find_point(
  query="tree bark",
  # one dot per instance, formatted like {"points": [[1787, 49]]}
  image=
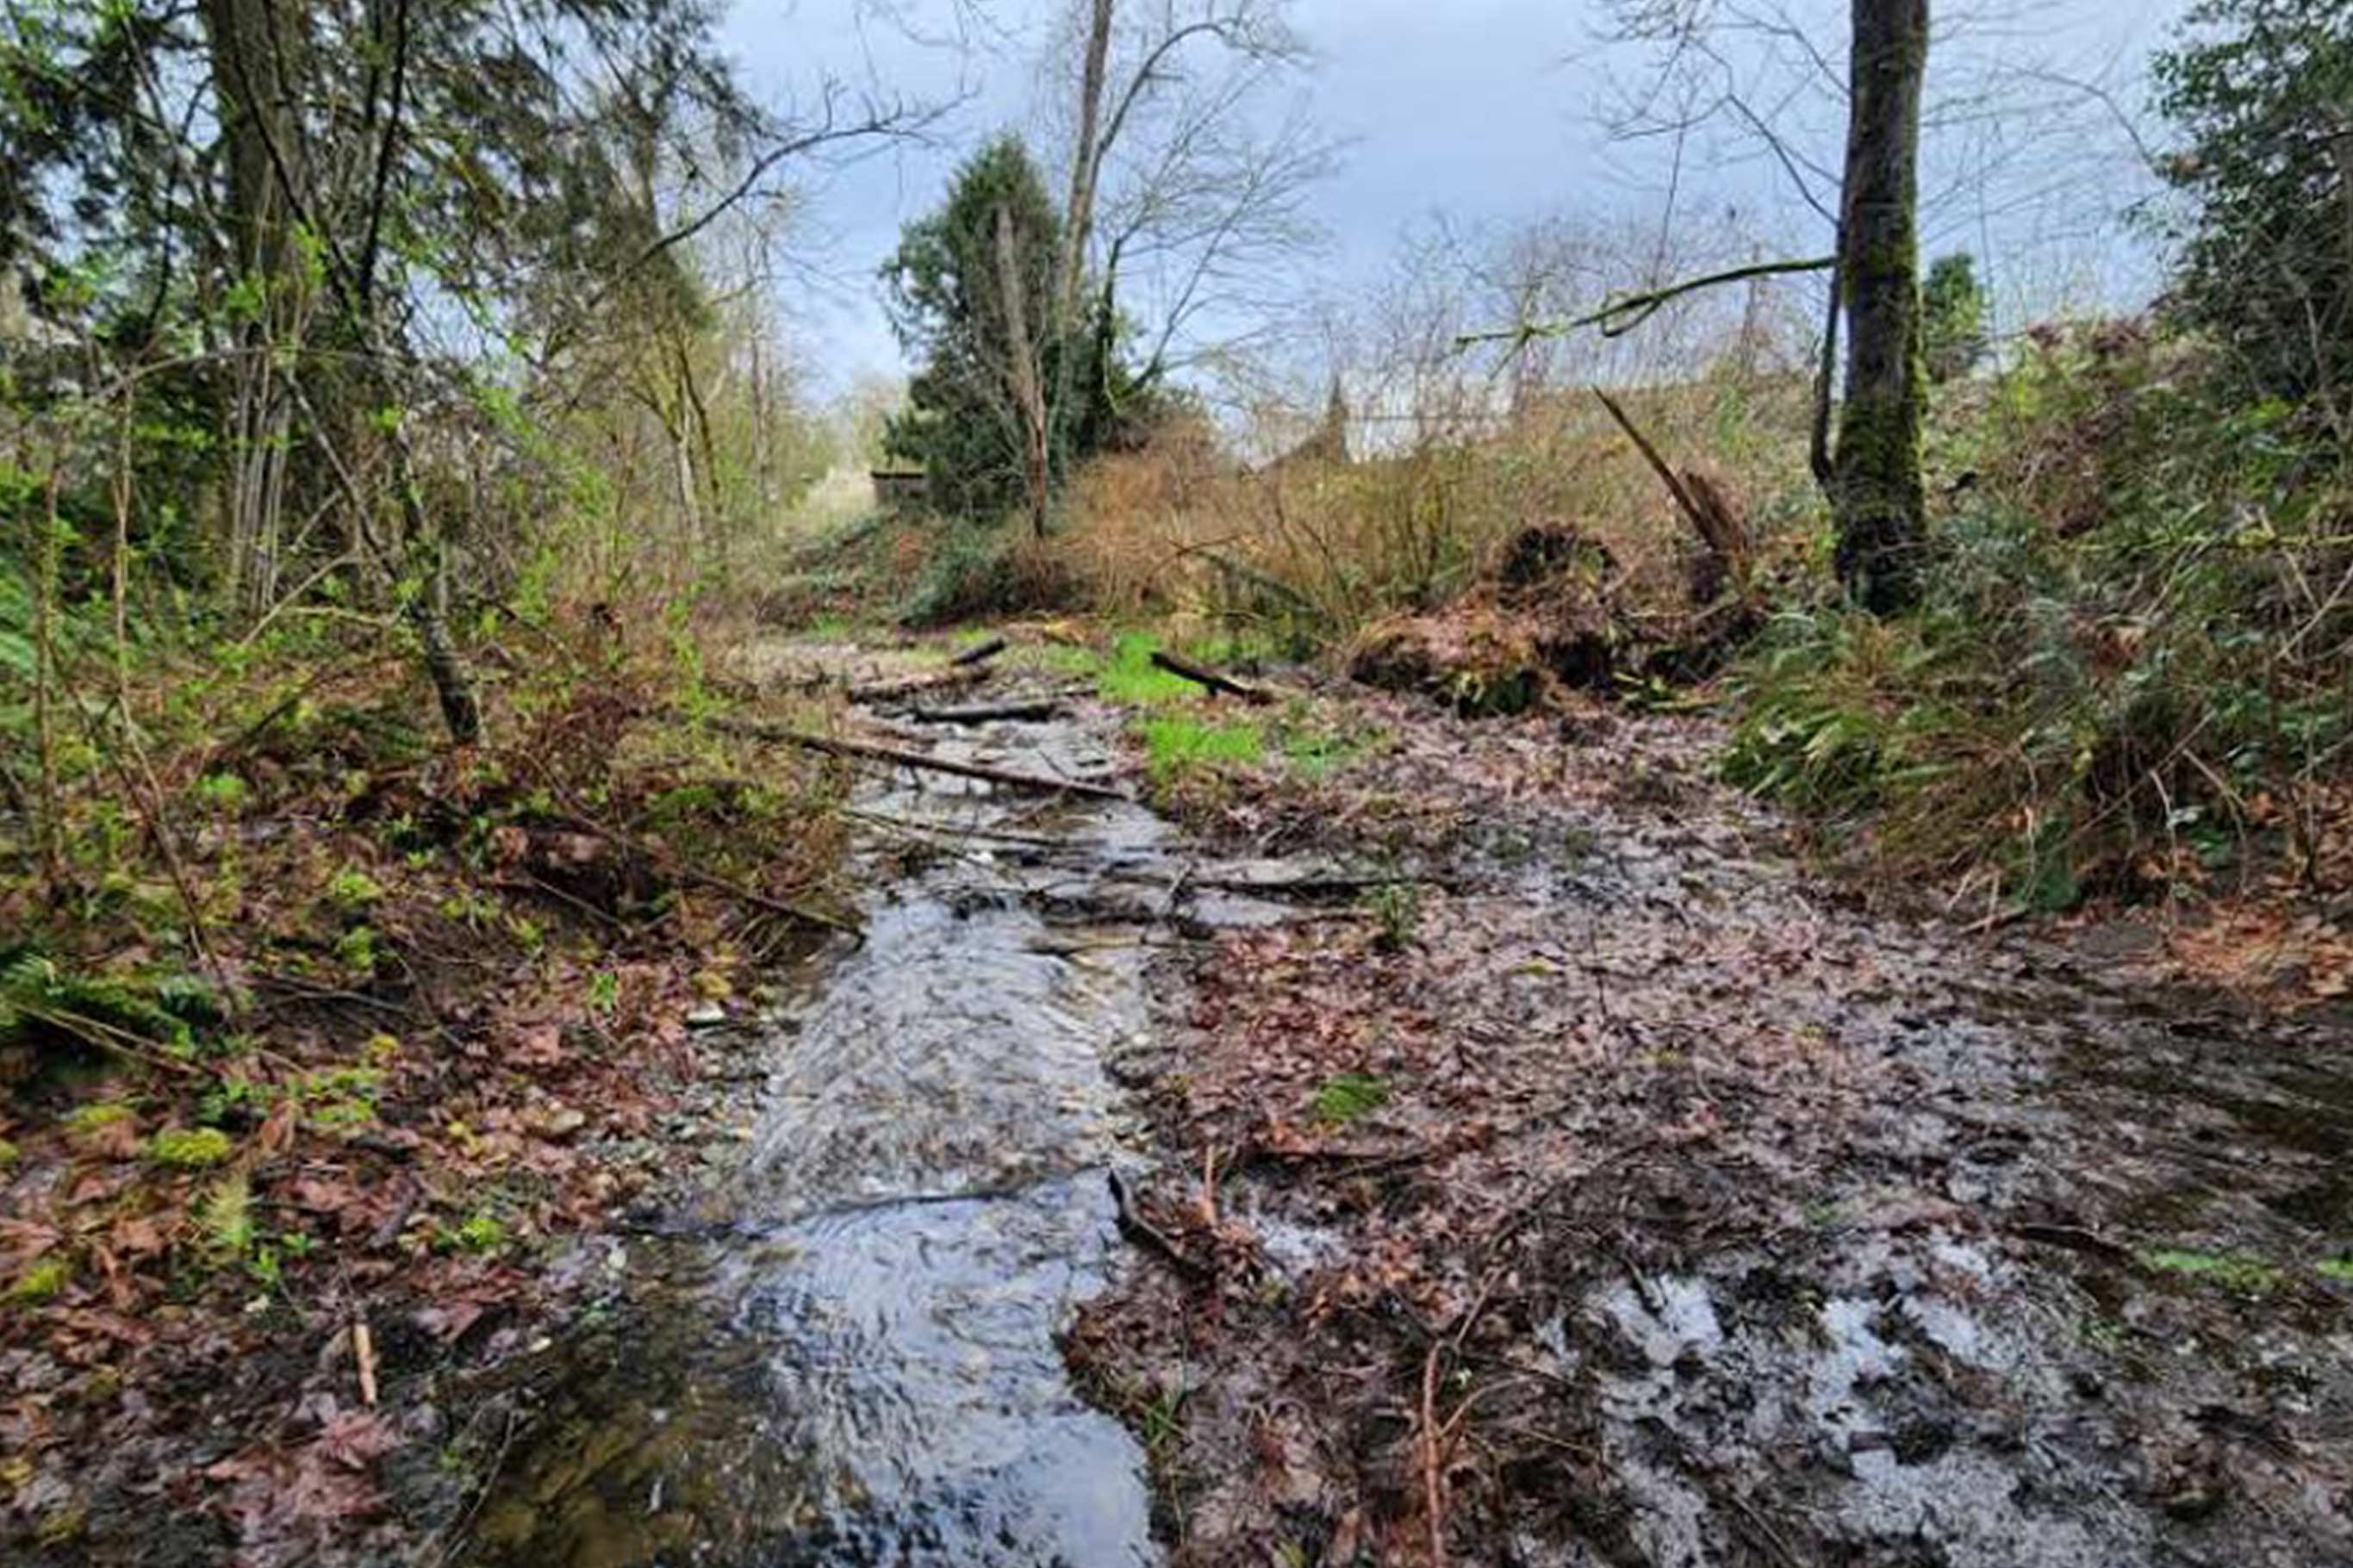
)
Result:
{"points": [[1028, 385], [254, 48], [1086, 165], [1878, 492]]}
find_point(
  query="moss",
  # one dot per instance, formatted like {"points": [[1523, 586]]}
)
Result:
{"points": [[90, 1118], [189, 1148], [40, 1281], [86, 1128], [8, 1155]]}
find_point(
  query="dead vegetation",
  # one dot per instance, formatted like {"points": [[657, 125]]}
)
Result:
{"points": [[318, 1039], [1313, 554]]}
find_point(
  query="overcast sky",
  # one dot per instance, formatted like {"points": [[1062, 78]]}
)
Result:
{"points": [[1492, 112]]}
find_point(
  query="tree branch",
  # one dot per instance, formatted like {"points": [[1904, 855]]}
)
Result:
{"points": [[1624, 312]]}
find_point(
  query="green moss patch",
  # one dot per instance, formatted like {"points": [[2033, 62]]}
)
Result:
{"points": [[189, 1148], [2240, 1272]]}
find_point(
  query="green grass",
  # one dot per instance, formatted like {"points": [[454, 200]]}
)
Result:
{"points": [[1317, 752], [225, 1217], [1395, 909], [2247, 1276], [1346, 1096], [2338, 1269], [1132, 678], [1174, 744]]}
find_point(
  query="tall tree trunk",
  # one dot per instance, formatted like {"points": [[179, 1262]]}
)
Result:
{"points": [[1086, 165], [254, 45], [1877, 488], [1027, 383]]}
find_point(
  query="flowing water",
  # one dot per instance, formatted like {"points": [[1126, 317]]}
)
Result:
{"points": [[848, 1357]]}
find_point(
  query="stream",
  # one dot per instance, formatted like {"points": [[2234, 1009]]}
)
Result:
{"points": [[848, 1355]]}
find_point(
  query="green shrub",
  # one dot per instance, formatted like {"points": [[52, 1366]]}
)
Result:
{"points": [[2128, 662], [978, 570]]}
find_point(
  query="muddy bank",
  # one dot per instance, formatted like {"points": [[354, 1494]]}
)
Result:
{"points": [[1628, 1199]]}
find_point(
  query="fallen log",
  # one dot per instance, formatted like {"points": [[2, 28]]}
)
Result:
{"points": [[1029, 709], [980, 653], [840, 746], [913, 685], [1208, 678]]}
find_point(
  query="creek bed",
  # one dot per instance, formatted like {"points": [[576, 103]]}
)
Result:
{"points": [[849, 1354]]}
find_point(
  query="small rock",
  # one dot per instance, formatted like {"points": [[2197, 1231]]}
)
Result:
{"points": [[554, 1121], [705, 1015]]}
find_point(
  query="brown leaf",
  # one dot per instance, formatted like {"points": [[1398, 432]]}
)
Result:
{"points": [[278, 1132], [356, 1439], [23, 1240], [136, 1236], [540, 1046], [451, 1319]]}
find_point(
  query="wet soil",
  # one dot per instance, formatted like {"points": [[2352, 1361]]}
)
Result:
{"points": [[1630, 1198], [1527, 1163]]}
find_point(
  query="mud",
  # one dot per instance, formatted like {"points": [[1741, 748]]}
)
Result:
{"points": [[1705, 1218], [1676, 1210]]}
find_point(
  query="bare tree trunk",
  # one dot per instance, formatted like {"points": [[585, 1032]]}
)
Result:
{"points": [[45, 673], [253, 47], [1028, 389], [428, 608], [1877, 487], [1086, 165]]}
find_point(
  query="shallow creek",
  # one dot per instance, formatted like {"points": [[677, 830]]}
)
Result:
{"points": [[848, 1355]]}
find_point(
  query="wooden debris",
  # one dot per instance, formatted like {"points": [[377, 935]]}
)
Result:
{"points": [[1026, 709], [1724, 535], [911, 685], [842, 746], [1134, 1225], [363, 1352], [1208, 679], [980, 653]]}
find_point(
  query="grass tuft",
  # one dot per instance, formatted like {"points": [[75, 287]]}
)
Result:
{"points": [[1346, 1097], [1174, 745]]}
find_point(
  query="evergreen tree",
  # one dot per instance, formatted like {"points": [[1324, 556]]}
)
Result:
{"points": [[1005, 403], [2263, 92], [1953, 306]]}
